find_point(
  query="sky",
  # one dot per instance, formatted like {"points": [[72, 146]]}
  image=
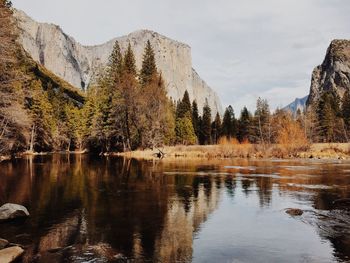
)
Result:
{"points": [[242, 48]]}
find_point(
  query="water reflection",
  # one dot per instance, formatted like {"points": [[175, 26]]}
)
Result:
{"points": [[108, 210]]}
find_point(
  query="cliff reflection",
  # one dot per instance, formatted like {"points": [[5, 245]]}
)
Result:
{"points": [[101, 210], [106, 208]]}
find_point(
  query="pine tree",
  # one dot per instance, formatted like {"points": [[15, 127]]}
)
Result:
{"points": [[129, 61], [216, 129], [328, 113], [184, 107], [229, 123], [195, 117], [346, 109], [43, 117], [149, 68], [205, 132], [115, 65], [184, 131], [244, 125]]}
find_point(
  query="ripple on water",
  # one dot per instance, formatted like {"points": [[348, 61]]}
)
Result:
{"points": [[312, 186], [297, 168]]}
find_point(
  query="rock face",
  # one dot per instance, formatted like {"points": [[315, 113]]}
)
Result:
{"points": [[334, 73], [297, 104], [78, 64], [12, 211]]}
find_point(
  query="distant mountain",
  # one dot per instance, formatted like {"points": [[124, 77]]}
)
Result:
{"points": [[334, 73], [79, 65], [297, 104]]}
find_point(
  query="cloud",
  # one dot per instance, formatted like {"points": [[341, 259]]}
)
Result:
{"points": [[242, 48]]}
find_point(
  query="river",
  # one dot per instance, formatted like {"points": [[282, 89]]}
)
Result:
{"points": [[86, 209]]}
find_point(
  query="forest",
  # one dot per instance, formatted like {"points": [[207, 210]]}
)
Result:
{"points": [[127, 108]]}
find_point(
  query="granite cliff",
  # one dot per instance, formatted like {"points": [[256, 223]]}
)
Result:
{"points": [[78, 64], [334, 73]]}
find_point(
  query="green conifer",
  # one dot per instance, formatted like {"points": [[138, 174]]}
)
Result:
{"points": [[244, 125], [149, 68], [346, 109], [184, 107], [195, 117], [229, 123], [206, 125], [216, 129], [129, 61]]}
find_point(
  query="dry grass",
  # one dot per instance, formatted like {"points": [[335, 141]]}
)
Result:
{"points": [[233, 149], [327, 151]]}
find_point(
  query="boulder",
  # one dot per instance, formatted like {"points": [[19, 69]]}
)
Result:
{"points": [[294, 211], [3, 243], [10, 254], [11, 211]]}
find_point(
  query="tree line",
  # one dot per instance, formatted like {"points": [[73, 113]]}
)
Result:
{"points": [[127, 108]]}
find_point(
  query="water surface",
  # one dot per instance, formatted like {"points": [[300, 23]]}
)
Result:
{"points": [[86, 209]]}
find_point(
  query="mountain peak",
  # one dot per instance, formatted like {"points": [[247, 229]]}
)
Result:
{"points": [[79, 64], [297, 104], [333, 74]]}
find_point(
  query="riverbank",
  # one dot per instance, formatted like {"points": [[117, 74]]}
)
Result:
{"points": [[316, 151], [340, 151]]}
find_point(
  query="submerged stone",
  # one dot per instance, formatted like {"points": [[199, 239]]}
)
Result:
{"points": [[344, 202], [294, 211]]}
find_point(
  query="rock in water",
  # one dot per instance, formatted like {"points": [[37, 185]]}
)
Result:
{"points": [[334, 73], [294, 211], [10, 254], [342, 203], [12, 211], [3, 243], [80, 65]]}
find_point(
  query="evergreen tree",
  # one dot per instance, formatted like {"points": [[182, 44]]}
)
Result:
{"points": [[346, 109], [244, 125], [328, 113], [229, 123], [103, 126], [75, 123], [195, 118], [216, 129], [149, 68], [115, 65], [184, 107], [205, 132], [43, 117], [130, 112], [129, 61], [184, 131]]}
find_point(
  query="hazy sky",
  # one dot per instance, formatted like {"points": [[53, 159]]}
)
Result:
{"points": [[242, 48]]}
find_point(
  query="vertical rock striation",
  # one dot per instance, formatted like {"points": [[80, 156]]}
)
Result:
{"points": [[78, 64]]}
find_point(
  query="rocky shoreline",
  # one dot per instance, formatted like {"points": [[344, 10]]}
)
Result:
{"points": [[10, 252]]}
